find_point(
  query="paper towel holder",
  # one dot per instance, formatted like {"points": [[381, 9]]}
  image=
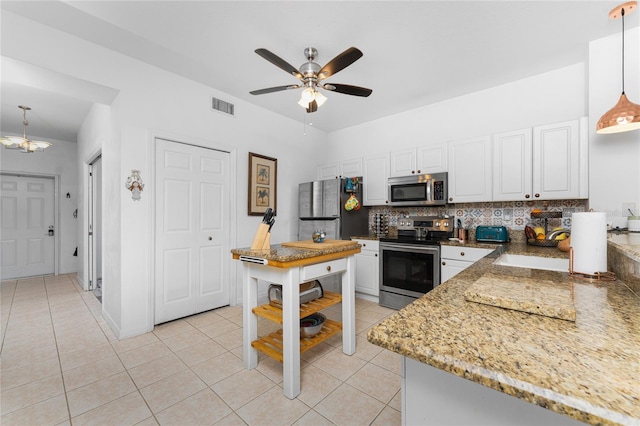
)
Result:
{"points": [[596, 276]]}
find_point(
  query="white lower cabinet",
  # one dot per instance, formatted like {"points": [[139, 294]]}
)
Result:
{"points": [[367, 267], [455, 259]]}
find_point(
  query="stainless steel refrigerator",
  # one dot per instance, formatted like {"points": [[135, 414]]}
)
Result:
{"points": [[321, 205]]}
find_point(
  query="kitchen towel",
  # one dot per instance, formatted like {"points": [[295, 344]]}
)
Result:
{"points": [[589, 242]]}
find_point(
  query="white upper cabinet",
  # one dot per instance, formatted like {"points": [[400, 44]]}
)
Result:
{"points": [[470, 170], [512, 166], [560, 160], [432, 159], [375, 175], [348, 168], [416, 161]]}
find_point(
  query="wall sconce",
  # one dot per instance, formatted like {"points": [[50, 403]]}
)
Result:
{"points": [[134, 184]]}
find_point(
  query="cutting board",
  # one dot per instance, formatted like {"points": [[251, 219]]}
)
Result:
{"points": [[309, 244], [541, 297]]}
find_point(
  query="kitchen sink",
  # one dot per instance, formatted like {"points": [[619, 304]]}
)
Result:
{"points": [[533, 262]]}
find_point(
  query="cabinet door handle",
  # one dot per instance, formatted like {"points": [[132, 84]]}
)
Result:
{"points": [[527, 196], [210, 238], [418, 171], [444, 263], [461, 253], [537, 195], [364, 245], [329, 268], [450, 199], [376, 255]]}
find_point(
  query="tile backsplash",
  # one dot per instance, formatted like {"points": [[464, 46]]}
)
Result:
{"points": [[512, 214]]}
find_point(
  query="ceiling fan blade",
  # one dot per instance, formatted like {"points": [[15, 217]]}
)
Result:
{"points": [[275, 89], [313, 106], [348, 89], [339, 63], [279, 62]]}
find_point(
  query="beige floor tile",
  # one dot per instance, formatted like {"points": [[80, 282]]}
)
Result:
{"points": [[316, 352], [377, 382], [219, 328], [230, 340], [219, 368], [48, 412], [99, 393], [312, 418], [242, 387], [396, 401], [315, 385], [200, 352], [205, 318], [366, 350], [86, 356], [273, 368], [150, 372], [93, 372], [144, 354], [184, 340], [339, 365], [272, 407], [170, 390], [76, 344], [172, 328], [231, 420], [31, 393], [44, 339], [12, 377], [203, 408], [126, 410], [15, 335], [389, 360], [229, 311], [349, 406], [149, 421], [388, 417], [136, 342]]}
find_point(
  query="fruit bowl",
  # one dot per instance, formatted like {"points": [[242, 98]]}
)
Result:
{"points": [[311, 325]]}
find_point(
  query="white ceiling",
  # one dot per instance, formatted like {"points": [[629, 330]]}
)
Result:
{"points": [[415, 52]]}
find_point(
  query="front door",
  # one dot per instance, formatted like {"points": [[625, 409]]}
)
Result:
{"points": [[192, 230], [28, 234]]}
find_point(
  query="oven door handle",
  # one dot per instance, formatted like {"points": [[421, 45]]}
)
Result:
{"points": [[410, 247]]}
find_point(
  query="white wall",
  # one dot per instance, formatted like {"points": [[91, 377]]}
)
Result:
{"points": [[58, 160], [545, 98], [153, 102], [614, 163]]}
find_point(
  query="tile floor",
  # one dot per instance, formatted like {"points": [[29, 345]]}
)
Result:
{"points": [[61, 364]]}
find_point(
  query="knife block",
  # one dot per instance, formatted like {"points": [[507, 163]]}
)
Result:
{"points": [[262, 239]]}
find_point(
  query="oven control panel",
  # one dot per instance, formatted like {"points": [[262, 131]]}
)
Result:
{"points": [[426, 223]]}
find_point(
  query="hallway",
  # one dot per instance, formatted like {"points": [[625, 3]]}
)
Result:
{"points": [[61, 364]]}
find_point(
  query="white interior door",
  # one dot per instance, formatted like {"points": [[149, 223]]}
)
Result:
{"points": [[95, 225], [192, 230], [28, 219]]}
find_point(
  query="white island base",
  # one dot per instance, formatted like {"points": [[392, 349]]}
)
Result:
{"points": [[431, 396]]}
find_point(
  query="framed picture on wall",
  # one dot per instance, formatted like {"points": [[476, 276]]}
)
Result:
{"points": [[263, 175]]}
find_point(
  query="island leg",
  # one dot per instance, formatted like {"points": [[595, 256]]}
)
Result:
{"points": [[249, 319], [349, 308], [291, 333]]}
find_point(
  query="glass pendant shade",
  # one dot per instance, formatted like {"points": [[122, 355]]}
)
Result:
{"points": [[22, 143], [623, 117]]}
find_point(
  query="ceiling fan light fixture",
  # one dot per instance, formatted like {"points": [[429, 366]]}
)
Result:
{"points": [[625, 115], [320, 98], [22, 143], [308, 95]]}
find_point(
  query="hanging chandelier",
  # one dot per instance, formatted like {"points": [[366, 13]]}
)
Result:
{"points": [[625, 115], [23, 143]]}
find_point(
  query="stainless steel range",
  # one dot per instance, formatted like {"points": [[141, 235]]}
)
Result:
{"points": [[410, 263]]}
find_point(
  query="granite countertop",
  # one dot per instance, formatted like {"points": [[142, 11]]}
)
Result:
{"points": [[587, 369]]}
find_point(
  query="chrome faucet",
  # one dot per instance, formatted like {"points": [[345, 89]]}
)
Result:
{"points": [[553, 234]]}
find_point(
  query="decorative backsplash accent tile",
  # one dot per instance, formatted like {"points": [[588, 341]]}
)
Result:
{"points": [[512, 214]]}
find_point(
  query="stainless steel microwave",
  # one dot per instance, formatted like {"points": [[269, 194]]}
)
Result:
{"points": [[418, 190]]}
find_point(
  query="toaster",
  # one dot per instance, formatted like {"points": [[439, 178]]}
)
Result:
{"points": [[492, 234], [308, 291]]}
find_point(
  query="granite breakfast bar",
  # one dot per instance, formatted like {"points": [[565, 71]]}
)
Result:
{"points": [[289, 266], [587, 369]]}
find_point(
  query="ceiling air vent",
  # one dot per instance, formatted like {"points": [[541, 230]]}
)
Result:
{"points": [[222, 106]]}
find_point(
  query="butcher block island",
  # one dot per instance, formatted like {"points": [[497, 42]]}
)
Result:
{"points": [[289, 265]]}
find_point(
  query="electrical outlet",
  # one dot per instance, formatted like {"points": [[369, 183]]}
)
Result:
{"points": [[629, 209]]}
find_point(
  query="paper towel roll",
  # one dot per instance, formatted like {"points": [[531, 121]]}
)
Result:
{"points": [[589, 242]]}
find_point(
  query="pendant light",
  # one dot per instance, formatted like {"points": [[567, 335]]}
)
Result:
{"points": [[625, 115], [22, 143]]}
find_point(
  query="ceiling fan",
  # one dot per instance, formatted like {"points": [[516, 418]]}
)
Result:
{"points": [[311, 76]]}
